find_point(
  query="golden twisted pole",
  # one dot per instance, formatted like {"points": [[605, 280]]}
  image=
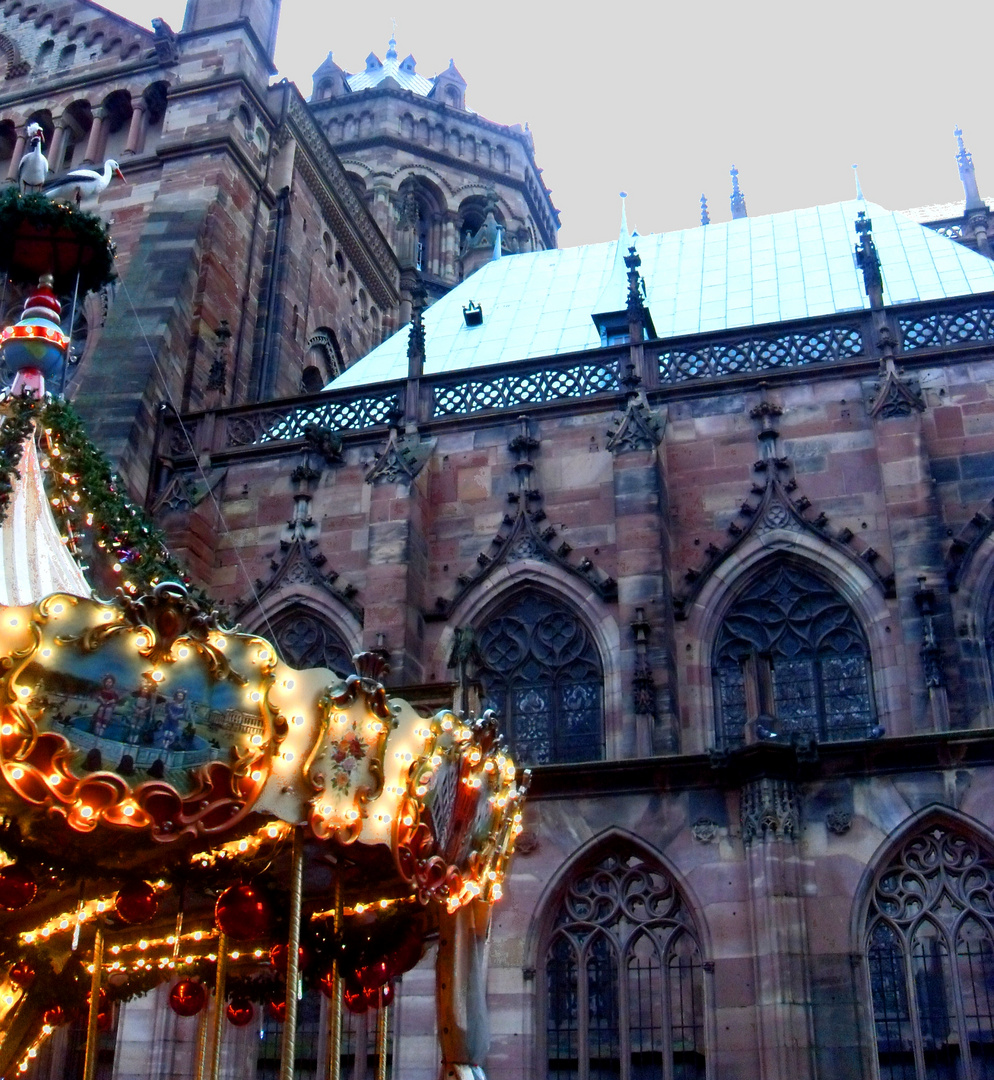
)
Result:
{"points": [[382, 1024], [335, 1019], [289, 1046], [218, 1017], [200, 1055], [92, 1033]]}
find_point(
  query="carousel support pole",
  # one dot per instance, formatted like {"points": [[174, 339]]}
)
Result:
{"points": [[218, 1017], [92, 1032], [382, 1027], [200, 1053], [335, 1032], [289, 1047]]}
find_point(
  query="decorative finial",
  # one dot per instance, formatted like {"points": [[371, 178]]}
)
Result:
{"points": [[859, 190], [705, 215], [497, 246], [964, 159], [737, 199], [868, 261], [392, 46]]}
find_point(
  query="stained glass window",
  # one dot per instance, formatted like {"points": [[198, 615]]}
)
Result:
{"points": [[791, 654], [930, 953], [304, 640], [623, 978], [542, 675]]}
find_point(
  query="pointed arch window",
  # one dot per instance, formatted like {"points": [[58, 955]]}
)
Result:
{"points": [[930, 955], [542, 674], [791, 657], [304, 640], [623, 978]]}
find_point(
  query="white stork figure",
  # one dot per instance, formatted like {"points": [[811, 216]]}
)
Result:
{"points": [[32, 169], [79, 184]]}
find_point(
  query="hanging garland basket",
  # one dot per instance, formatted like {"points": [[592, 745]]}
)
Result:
{"points": [[38, 236]]}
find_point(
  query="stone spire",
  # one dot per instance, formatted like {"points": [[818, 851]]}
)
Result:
{"points": [[868, 261], [705, 213], [737, 199], [859, 189], [964, 159]]}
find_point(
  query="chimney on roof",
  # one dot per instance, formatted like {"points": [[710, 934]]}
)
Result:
{"points": [[737, 199]]}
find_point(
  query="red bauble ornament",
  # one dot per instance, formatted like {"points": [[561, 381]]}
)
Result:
{"points": [[136, 903], [54, 1016], [17, 887], [22, 974], [355, 1000], [240, 1012], [327, 985], [373, 976], [243, 912], [187, 997], [278, 956], [382, 995], [277, 1010]]}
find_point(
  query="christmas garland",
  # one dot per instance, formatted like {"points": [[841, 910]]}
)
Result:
{"points": [[39, 236]]}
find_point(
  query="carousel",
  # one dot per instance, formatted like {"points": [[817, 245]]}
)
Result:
{"points": [[177, 805]]}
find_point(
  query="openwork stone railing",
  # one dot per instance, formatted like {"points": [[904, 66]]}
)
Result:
{"points": [[940, 329], [510, 389], [673, 366], [750, 353]]}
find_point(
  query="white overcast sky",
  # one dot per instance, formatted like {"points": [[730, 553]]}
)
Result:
{"points": [[661, 98]]}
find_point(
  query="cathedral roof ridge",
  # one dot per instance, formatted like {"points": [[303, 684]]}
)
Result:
{"points": [[775, 268]]}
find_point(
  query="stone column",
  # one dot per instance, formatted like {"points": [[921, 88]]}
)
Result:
{"points": [[770, 832], [139, 126], [15, 158], [57, 147], [95, 141]]}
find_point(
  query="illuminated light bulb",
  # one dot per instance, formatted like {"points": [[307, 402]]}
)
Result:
{"points": [[497, 892], [243, 845], [46, 653], [157, 676], [116, 568], [141, 641], [32, 1052], [29, 938], [489, 766], [139, 963], [58, 608], [106, 616], [171, 940], [187, 959], [446, 725], [257, 740], [64, 924], [129, 811], [7, 729], [384, 903], [45, 933], [340, 718], [255, 696], [288, 684], [14, 621], [360, 908], [212, 957], [257, 953], [288, 755], [172, 964], [272, 832], [256, 775], [8, 999], [47, 1029], [86, 811], [55, 779], [83, 916], [326, 810], [197, 935], [143, 944], [235, 955], [17, 773], [115, 949], [24, 691], [298, 719], [101, 906], [183, 652]]}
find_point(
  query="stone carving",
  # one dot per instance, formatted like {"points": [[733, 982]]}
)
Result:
{"points": [[838, 822], [896, 397], [403, 457], [704, 830], [636, 428], [769, 810], [184, 492]]}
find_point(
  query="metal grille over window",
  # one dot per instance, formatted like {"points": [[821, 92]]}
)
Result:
{"points": [[624, 981], [306, 641], [930, 953], [791, 658], [542, 675]]}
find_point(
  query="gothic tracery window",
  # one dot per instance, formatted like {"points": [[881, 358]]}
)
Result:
{"points": [[304, 641], [790, 655], [930, 952], [542, 675], [623, 978]]}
